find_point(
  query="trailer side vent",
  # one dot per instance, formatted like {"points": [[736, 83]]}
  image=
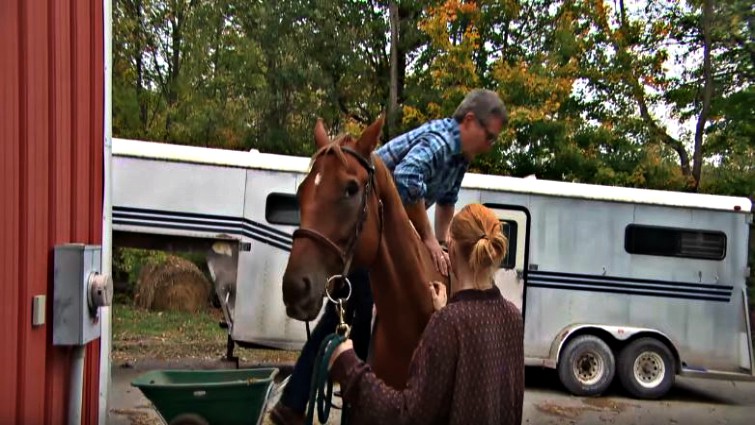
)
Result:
{"points": [[674, 242]]}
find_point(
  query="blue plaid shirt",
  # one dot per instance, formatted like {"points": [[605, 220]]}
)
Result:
{"points": [[427, 163]]}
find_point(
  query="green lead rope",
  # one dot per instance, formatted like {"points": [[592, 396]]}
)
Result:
{"points": [[321, 389]]}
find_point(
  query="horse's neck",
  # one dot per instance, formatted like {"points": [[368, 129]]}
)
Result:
{"points": [[404, 267]]}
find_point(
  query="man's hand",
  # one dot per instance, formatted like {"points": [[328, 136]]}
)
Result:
{"points": [[344, 346], [438, 295], [440, 257]]}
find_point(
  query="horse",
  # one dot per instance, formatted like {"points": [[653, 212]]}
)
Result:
{"points": [[351, 215]]}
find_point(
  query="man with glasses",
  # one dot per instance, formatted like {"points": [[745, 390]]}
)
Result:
{"points": [[429, 163]]}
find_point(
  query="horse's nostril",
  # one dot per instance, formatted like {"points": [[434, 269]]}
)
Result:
{"points": [[307, 285]]}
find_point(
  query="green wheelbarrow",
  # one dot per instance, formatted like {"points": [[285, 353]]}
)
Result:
{"points": [[208, 397]]}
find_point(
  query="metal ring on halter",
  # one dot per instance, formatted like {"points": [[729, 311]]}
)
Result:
{"points": [[338, 276]]}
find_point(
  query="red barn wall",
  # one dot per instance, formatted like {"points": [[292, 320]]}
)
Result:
{"points": [[51, 183]]}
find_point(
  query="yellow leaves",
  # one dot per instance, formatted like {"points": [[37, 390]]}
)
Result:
{"points": [[661, 28], [467, 7], [440, 19], [523, 114], [600, 9], [434, 110], [535, 90], [637, 177], [412, 116], [601, 12], [453, 69], [353, 127], [550, 83], [650, 80]]}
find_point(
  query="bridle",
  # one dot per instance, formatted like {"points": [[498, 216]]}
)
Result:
{"points": [[346, 254]]}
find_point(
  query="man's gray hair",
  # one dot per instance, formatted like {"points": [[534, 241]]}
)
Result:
{"points": [[483, 104]]}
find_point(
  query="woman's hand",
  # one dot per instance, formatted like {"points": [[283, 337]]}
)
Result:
{"points": [[438, 294], [344, 346]]}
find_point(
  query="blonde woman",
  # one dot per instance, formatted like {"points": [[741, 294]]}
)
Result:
{"points": [[469, 365]]}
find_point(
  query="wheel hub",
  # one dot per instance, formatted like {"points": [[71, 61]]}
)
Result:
{"points": [[649, 369], [588, 368]]}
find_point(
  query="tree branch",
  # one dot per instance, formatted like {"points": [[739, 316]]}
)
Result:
{"points": [[638, 93]]}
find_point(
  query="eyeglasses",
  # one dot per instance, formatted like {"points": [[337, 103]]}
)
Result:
{"points": [[489, 135]]}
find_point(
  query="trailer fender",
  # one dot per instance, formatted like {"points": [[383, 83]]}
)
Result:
{"points": [[610, 334]]}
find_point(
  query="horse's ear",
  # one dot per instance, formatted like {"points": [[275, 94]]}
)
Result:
{"points": [[370, 136], [321, 136]]}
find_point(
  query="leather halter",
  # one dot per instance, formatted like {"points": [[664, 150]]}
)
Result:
{"points": [[347, 254]]}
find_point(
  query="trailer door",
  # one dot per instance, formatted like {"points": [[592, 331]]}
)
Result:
{"points": [[510, 278]]}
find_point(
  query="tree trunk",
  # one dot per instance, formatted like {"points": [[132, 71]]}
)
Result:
{"points": [[393, 95], [408, 16], [138, 53], [174, 69], [697, 157]]}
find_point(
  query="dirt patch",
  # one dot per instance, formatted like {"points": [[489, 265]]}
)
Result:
{"points": [[569, 412], [593, 404], [164, 348], [174, 285], [603, 403], [137, 417], [128, 353]]}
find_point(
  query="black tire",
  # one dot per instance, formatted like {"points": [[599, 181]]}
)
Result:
{"points": [[655, 371], [189, 419], [586, 366]]}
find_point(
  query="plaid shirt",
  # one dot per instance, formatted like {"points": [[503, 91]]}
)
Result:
{"points": [[427, 163]]}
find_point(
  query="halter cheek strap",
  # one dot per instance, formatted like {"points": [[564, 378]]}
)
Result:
{"points": [[346, 254]]}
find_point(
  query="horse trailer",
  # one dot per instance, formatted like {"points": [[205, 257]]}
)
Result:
{"points": [[633, 284]]}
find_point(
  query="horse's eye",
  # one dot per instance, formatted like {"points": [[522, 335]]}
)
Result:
{"points": [[351, 189]]}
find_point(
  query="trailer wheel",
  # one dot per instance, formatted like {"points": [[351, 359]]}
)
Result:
{"points": [[586, 366], [189, 419], [646, 368]]}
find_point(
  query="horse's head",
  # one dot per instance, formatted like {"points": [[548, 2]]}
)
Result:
{"points": [[340, 223]]}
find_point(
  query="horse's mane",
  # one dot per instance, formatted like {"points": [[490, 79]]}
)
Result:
{"points": [[335, 147]]}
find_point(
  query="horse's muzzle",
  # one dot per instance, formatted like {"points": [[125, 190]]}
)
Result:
{"points": [[300, 298]]}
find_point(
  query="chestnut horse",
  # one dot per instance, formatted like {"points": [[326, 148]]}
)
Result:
{"points": [[351, 214]]}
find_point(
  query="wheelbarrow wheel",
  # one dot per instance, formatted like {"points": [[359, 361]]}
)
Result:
{"points": [[189, 419]]}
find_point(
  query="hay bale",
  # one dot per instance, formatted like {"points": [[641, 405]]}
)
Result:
{"points": [[176, 284]]}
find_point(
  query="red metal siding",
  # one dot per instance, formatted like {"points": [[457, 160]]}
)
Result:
{"points": [[9, 215], [51, 182]]}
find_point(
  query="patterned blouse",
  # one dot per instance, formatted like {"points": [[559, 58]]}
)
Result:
{"points": [[467, 369]]}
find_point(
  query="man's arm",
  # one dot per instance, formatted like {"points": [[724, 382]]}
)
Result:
{"points": [[444, 208], [419, 164], [418, 216], [443, 215]]}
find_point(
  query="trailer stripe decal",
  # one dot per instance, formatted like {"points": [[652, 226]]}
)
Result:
{"points": [[123, 216], [129, 211], [629, 286]]}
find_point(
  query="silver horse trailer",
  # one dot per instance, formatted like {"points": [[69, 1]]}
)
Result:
{"points": [[636, 284]]}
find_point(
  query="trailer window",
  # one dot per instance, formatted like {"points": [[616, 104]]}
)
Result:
{"points": [[672, 242], [509, 229], [282, 208]]}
